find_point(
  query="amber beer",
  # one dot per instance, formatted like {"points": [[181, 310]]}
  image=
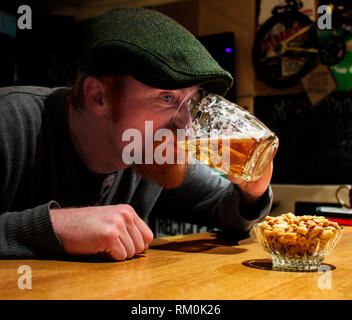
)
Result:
{"points": [[232, 156], [224, 135]]}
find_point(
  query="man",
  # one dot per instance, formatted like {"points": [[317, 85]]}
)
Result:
{"points": [[65, 187]]}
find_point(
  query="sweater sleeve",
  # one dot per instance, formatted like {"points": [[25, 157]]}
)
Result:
{"points": [[207, 199], [26, 230], [29, 234]]}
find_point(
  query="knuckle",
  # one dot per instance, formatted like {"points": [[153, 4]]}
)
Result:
{"points": [[124, 208], [126, 216], [109, 234], [119, 223]]}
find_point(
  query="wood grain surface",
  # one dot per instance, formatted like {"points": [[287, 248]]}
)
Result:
{"points": [[198, 266]]}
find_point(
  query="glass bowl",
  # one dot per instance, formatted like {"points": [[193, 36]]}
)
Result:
{"points": [[292, 250]]}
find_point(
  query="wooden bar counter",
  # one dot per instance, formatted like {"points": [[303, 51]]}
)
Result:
{"points": [[200, 266]]}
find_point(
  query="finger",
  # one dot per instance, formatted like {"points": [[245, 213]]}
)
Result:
{"points": [[127, 242], [267, 173], [136, 237], [144, 230], [117, 250], [270, 168], [235, 180]]}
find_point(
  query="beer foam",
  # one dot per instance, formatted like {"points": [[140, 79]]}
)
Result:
{"points": [[218, 117]]}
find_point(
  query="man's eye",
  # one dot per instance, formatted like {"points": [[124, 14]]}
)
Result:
{"points": [[167, 98]]}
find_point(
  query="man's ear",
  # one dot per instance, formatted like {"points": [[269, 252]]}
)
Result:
{"points": [[94, 95]]}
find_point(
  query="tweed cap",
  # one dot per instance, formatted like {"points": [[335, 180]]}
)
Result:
{"points": [[151, 47]]}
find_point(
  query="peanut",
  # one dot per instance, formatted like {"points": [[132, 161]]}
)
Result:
{"points": [[290, 237], [326, 234], [278, 231], [302, 235], [302, 230], [265, 225], [334, 224], [316, 231]]}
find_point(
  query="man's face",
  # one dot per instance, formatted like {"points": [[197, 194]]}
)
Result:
{"points": [[147, 110]]}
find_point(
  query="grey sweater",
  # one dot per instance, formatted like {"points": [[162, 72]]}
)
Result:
{"points": [[40, 169]]}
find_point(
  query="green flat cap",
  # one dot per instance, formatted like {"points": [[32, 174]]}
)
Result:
{"points": [[151, 47]]}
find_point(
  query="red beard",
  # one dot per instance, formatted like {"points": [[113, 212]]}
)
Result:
{"points": [[166, 175]]}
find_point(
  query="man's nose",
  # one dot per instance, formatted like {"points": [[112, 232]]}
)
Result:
{"points": [[182, 118]]}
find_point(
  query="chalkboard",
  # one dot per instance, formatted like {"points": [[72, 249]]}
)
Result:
{"points": [[315, 141]]}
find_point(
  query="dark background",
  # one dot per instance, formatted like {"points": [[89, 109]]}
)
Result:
{"points": [[46, 55], [315, 141]]}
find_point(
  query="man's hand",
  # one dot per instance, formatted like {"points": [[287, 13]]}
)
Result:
{"points": [[116, 231], [251, 191]]}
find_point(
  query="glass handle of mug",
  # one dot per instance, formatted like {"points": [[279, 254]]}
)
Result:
{"points": [[343, 203]]}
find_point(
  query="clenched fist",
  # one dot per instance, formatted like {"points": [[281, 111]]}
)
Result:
{"points": [[116, 231]]}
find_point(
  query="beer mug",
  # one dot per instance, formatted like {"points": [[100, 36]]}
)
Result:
{"points": [[223, 135], [339, 198]]}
